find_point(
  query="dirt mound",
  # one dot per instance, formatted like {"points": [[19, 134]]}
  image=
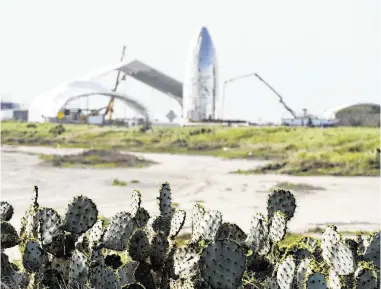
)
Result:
{"points": [[98, 158]]}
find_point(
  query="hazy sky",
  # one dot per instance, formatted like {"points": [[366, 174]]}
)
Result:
{"points": [[317, 54]]}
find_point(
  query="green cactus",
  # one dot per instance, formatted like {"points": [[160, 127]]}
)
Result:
{"points": [[177, 223], [286, 273], [372, 251], [159, 223], [231, 232], [223, 264], [95, 233], [136, 202], [9, 236], [138, 246], [53, 279], [185, 262], [119, 231], [270, 283], [165, 202], [281, 200], [143, 275], [278, 226], [81, 215], [366, 277], [257, 238], [78, 270], [6, 211], [32, 257], [316, 280], [197, 219], [126, 273], [142, 217], [159, 249], [340, 257], [304, 268], [211, 222], [49, 225], [111, 280]]}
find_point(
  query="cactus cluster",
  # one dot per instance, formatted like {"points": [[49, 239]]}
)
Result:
{"points": [[136, 250]]}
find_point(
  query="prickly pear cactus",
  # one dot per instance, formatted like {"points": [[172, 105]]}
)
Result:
{"points": [[177, 222], [32, 257], [278, 227], [231, 264], [197, 219], [6, 211], [95, 233], [81, 215], [159, 223], [142, 217], [257, 239], [136, 202], [303, 270], [211, 222], [133, 286], [126, 273], [138, 246], [165, 201], [340, 257], [286, 273], [231, 232], [316, 280], [78, 270], [9, 236], [53, 279], [186, 262], [372, 251], [119, 231], [159, 249], [49, 225], [281, 200], [366, 277]]}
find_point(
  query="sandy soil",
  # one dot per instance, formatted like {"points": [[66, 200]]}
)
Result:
{"points": [[353, 203]]}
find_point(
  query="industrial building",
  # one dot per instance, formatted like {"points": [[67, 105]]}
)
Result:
{"points": [[13, 111]]}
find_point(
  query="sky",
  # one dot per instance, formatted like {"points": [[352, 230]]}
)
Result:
{"points": [[317, 54]]}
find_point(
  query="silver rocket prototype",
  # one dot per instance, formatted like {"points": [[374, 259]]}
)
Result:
{"points": [[200, 86]]}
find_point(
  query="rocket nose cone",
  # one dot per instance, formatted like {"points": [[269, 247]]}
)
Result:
{"points": [[204, 32]]}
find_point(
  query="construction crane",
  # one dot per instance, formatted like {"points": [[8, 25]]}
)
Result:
{"points": [[110, 106], [279, 96]]}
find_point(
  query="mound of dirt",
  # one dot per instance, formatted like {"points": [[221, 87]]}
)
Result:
{"points": [[98, 158]]}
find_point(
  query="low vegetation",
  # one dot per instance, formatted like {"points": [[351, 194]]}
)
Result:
{"points": [[135, 249], [300, 187], [98, 159], [119, 183], [344, 151]]}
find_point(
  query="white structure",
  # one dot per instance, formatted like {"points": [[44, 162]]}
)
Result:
{"points": [[197, 97], [201, 81]]}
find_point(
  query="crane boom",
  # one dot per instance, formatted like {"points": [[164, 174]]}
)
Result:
{"points": [[279, 96]]}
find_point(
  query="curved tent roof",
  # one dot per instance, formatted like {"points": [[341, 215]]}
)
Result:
{"points": [[331, 113]]}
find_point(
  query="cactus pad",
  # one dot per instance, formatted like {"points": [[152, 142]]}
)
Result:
{"points": [[223, 264], [165, 199], [303, 270], [81, 215], [270, 283], [316, 281], [49, 225], [133, 286], [340, 257], [211, 222], [159, 224], [366, 278], [136, 202], [6, 211], [138, 246], [95, 233], [231, 232], [52, 279], [159, 248], [9, 236], [185, 262], [177, 223], [78, 270], [197, 219], [32, 256], [286, 273], [372, 250], [118, 231], [126, 273], [258, 235], [141, 217], [278, 227], [281, 200]]}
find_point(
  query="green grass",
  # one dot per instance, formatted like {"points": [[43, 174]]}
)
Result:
{"points": [[119, 183], [344, 151], [299, 187]]}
